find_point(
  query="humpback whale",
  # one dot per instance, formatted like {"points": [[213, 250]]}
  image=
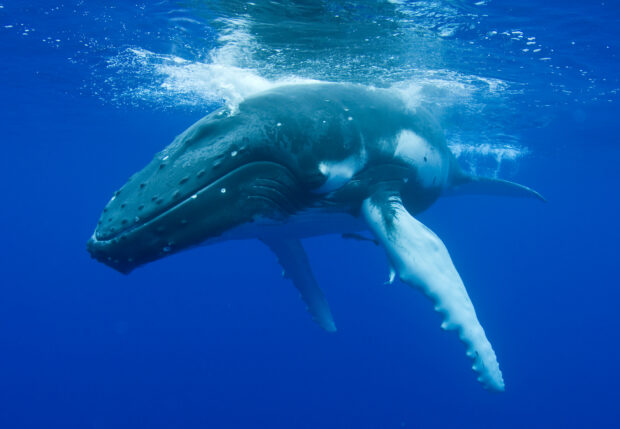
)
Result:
{"points": [[299, 161]]}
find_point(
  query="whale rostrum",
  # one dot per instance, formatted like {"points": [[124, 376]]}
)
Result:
{"points": [[299, 161]]}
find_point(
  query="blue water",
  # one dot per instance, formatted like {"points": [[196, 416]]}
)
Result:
{"points": [[214, 337]]}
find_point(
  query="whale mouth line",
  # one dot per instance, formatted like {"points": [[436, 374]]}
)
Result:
{"points": [[145, 222]]}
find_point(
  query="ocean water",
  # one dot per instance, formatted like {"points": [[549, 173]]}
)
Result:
{"points": [[215, 337]]}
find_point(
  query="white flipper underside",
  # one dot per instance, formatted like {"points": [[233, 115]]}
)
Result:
{"points": [[422, 261], [293, 259]]}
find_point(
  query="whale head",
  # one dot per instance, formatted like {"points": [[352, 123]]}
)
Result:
{"points": [[213, 177]]}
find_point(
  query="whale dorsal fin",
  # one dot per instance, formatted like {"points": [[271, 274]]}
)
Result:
{"points": [[422, 261], [293, 259]]}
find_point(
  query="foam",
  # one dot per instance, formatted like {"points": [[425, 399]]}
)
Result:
{"points": [[469, 107], [170, 80], [487, 159], [498, 152], [447, 88]]}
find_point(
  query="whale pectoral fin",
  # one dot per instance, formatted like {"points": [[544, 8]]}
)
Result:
{"points": [[293, 259], [422, 261]]}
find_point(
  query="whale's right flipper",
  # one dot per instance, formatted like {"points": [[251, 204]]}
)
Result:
{"points": [[422, 261], [293, 259]]}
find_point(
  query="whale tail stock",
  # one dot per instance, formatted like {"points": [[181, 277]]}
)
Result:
{"points": [[462, 183]]}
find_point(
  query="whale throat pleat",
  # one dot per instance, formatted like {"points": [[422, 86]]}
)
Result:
{"points": [[422, 261], [294, 261]]}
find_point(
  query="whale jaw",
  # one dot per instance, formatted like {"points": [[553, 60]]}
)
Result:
{"points": [[255, 191]]}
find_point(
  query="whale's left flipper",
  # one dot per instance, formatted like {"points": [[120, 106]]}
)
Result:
{"points": [[293, 259], [422, 261]]}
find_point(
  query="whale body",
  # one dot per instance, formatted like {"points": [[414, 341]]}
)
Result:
{"points": [[299, 161]]}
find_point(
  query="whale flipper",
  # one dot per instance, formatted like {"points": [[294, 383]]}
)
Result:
{"points": [[293, 259], [422, 261]]}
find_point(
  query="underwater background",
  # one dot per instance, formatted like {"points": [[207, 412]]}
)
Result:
{"points": [[215, 337]]}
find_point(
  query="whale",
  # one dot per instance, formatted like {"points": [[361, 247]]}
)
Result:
{"points": [[304, 160]]}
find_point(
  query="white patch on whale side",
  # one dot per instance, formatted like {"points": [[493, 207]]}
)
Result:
{"points": [[338, 173], [423, 157]]}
